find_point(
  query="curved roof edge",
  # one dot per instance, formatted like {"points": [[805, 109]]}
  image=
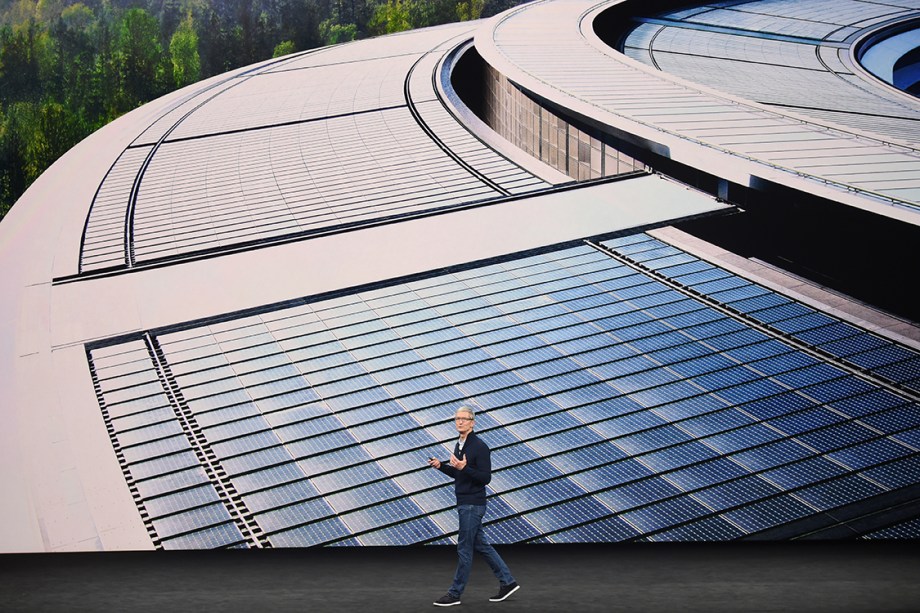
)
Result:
{"points": [[719, 161]]}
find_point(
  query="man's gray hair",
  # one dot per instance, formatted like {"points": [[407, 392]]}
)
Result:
{"points": [[467, 409]]}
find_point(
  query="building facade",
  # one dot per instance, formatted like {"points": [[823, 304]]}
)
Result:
{"points": [[243, 315]]}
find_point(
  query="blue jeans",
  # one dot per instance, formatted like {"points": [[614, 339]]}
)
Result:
{"points": [[470, 538]]}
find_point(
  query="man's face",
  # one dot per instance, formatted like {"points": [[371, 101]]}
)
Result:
{"points": [[463, 422]]}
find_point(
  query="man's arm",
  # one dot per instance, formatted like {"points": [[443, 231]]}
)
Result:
{"points": [[448, 470], [482, 472], [444, 467]]}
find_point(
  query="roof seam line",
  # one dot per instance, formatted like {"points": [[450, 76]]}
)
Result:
{"points": [[282, 124], [766, 329]]}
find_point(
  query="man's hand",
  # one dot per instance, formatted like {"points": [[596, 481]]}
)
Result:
{"points": [[458, 464], [434, 462]]}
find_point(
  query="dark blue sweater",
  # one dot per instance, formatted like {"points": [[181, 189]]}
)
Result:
{"points": [[470, 483]]}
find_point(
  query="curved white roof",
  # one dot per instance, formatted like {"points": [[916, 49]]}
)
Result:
{"points": [[238, 315], [743, 136], [265, 185]]}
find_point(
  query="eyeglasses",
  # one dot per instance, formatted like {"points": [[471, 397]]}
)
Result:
{"points": [[463, 419]]}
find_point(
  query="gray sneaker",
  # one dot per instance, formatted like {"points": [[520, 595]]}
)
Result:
{"points": [[447, 600], [504, 591]]}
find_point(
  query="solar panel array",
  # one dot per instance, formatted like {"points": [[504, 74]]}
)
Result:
{"points": [[909, 529], [329, 139], [609, 88], [628, 390]]}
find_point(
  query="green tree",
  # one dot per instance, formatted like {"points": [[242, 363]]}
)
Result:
{"points": [[183, 51], [20, 73], [104, 93], [470, 9], [74, 53], [140, 58], [56, 129], [334, 33], [394, 16], [284, 48]]}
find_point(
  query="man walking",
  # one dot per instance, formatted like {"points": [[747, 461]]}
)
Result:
{"points": [[470, 466]]}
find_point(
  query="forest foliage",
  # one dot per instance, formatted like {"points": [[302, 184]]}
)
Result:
{"points": [[67, 68]]}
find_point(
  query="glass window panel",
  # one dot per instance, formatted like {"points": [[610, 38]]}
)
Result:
{"points": [[627, 424], [827, 334], [781, 404], [735, 493], [194, 519], [246, 444], [871, 453], [219, 401], [677, 457], [798, 474], [506, 479], [708, 529], [894, 420], [293, 515], [241, 427], [283, 371], [139, 405], [280, 496], [711, 423], [313, 534], [606, 530], [897, 474], [901, 372], [740, 293], [701, 276], [696, 318], [511, 530], [707, 473], [853, 344], [838, 389], [770, 455], [845, 490], [725, 283], [381, 514], [803, 322], [210, 538], [834, 437], [871, 402], [171, 482], [781, 309], [651, 439], [408, 387], [145, 451], [743, 438], [567, 513], [269, 477], [677, 270], [564, 441], [590, 394], [180, 501], [639, 493], [689, 407], [665, 514], [256, 460], [805, 421], [407, 533], [149, 433], [542, 494]]}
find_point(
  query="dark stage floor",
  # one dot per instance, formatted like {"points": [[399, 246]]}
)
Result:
{"points": [[814, 576]]}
